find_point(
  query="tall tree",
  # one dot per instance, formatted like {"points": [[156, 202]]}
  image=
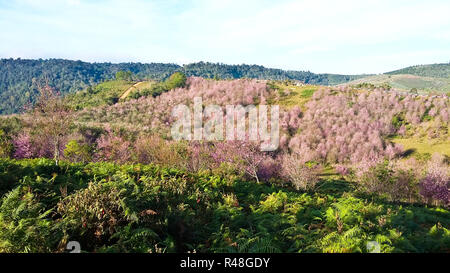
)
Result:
{"points": [[51, 117]]}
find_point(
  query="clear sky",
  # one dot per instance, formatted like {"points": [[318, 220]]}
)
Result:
{"points": [[346, 36]]}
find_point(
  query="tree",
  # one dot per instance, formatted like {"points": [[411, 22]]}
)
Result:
{"points": [[302, 176], [52, 118], [177, 79], [244, 156], [124, 75]]}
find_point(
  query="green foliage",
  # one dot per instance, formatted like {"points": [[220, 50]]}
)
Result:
{"points": [[147, 208], [397, 185], [6, 147], [17, 87], [124, 76], [24, 224], [93, 212], [106, 93], [398, 120], [76, 152], [432, 70], [176, 80]]}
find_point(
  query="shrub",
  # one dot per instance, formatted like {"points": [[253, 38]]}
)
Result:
{"points": [[342, 170], [92, 213], [200, 156], [76, 152], [386, 179], [111, 147], [22, 146], [244, 156], [154, 149], [176, 80], [5, 145], [436, 183]]}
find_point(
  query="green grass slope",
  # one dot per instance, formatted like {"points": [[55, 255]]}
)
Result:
{"points": [[106, 93]]}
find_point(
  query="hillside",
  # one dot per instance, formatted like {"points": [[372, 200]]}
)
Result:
{"points": [[431, 70], [406, 82], [19, 78], [337, 181], [105, 93]]}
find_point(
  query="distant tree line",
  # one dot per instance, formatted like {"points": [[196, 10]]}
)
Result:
{"points": [[19, 78]]}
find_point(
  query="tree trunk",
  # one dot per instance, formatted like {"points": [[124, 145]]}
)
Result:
{"points": [[256, 176], [57, 155]]}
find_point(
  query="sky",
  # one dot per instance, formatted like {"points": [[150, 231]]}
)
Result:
{"points": [[322, 36]]}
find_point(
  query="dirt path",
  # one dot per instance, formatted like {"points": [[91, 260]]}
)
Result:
{"points": [[125, 95]]}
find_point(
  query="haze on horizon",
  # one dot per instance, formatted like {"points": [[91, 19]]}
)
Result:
{"points": [[322, 36]]}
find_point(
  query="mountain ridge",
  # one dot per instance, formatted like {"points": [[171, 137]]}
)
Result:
{"points": [[19, 77]]}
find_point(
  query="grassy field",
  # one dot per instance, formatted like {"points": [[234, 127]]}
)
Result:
{"points": [[136, 88], [424, 146], [106, 93], [295, 95]]}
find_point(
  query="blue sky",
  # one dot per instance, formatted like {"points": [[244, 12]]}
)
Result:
{"points": [[346, 36]]}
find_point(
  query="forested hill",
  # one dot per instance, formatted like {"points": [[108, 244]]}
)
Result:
{"points": [[430, 70], [18, 76], [211, 70]]}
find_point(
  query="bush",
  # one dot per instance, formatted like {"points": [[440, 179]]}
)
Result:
{"points": [[153, 149], [22, 146], [436, 183], [387, 180], [111, 147], [76, 152], [176, 80], [93, 213], [6, 146]]}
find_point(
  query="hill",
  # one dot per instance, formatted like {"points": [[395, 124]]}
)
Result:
{"points": [[19, 78], [406, 82], [339, 180], [105, 93], [431, 70]]}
